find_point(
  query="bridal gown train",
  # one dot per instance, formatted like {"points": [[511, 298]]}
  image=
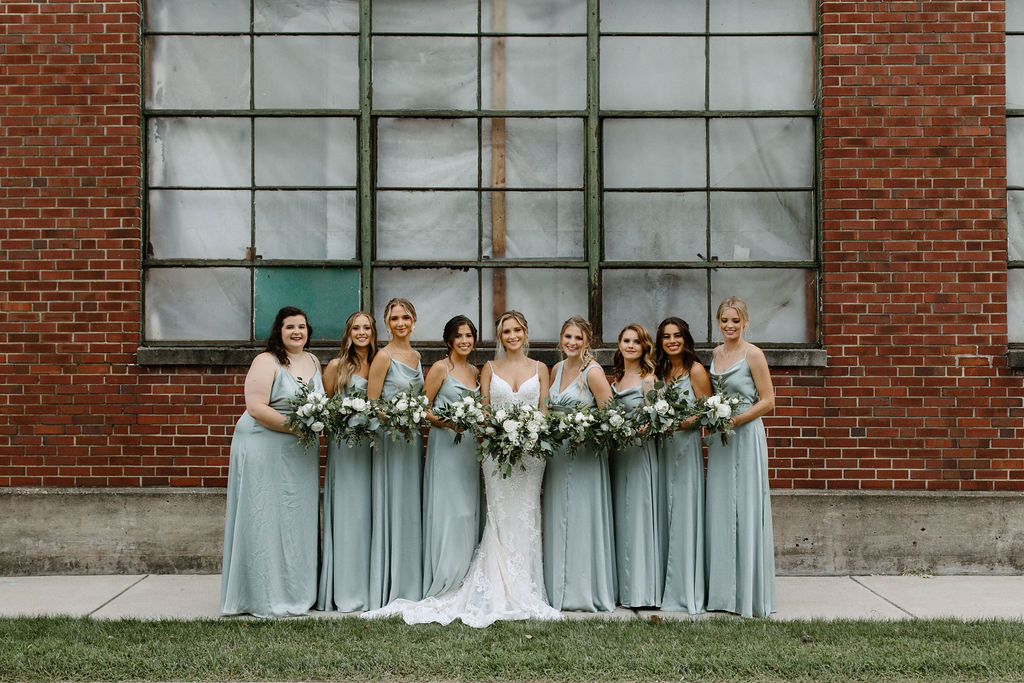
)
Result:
{"points": [[505, 580]]}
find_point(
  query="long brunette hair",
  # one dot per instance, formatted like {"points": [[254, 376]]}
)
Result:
{"points": [[275, 344], [662, 362], [646, 346]]}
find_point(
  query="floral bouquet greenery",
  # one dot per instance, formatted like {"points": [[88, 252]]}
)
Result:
{"points": [[667, 405], [467, 413], [573, 425], [309, 415], [617, 426], [353, 418], [512, 432], [715, 413], [404, 414]]}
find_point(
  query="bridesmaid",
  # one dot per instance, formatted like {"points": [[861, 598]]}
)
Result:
{"points": [[396, 540], [345, 554], [579, 547], [682, 474], [451, 477], [273, 510], [741, 557], [635, 482]]}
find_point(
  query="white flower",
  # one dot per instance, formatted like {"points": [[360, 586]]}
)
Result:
{"points": [[714, 400], [661, 406], [359, 404], [402, 404], [616, 420], [317, 426], [724, 410], [500, 415], [510, 426]]}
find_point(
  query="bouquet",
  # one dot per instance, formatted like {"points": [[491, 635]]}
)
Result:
{"points": [[573, 426], [667, 405], [404, 414], [466, 413], [353, 418], [511, 432], [715, 413], [310, 414], [617, 426]]}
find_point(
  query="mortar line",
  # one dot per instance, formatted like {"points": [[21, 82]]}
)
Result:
{"points": [[872, 590], [128, 588]]}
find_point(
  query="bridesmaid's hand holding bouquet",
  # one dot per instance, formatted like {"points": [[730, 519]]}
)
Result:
{"points": [[353, 418], [404, 414], [309, 415], [467, 413], [715, 413]]}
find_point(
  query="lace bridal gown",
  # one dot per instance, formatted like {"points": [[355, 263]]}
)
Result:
{"points": [[505, 580]]}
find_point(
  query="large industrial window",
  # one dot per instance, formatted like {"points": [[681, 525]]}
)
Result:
{"points": [[622, 159], [1015, 170]]}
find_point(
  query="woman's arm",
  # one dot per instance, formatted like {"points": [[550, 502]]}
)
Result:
{"points": [[331, 374], [598, 383], [545, 384], [485, 383], [259, 382], [378, 372], [763, 383], [700, 382], [432, 385]]}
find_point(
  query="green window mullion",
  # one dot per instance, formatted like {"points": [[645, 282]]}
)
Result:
{"points": [[252, 255], [592, 165], [365, 171]]}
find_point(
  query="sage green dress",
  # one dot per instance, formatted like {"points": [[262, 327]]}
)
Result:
{"points": [[345, 552], [579, 541], [682, 508], [273, 515], [396, 538], [740, 548], [635, 481], [451, 500]]}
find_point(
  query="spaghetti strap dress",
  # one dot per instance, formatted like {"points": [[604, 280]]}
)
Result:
{"points": [[396, 538], [635, 475], [740, 548], [273, 515], [579, 541], [451, 499], [345, 552], [681, 458]]}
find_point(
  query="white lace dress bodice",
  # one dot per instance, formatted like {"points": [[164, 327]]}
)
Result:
{"points": [[505, 580]]}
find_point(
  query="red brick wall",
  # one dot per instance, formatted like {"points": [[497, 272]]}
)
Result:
{"points": [[916, 394]]}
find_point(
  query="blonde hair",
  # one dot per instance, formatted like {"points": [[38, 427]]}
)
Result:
{"points": [[733, 302], [519, 318], [646, 347], [587, 354], [348, 353], [398, 301]]}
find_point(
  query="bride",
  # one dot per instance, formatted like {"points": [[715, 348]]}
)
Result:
{"points": [[505, 580]]}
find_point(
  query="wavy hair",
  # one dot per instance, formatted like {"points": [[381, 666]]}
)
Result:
{"points": [[587, 354], [451, 330], [662, 362], [646, 347], [275, 344], [348, 354], [519, 318]]}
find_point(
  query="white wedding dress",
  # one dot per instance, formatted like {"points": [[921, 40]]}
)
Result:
{"points": [[505, 580]]}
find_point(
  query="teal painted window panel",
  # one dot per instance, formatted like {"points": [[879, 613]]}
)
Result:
{"points": [[327, 295]]}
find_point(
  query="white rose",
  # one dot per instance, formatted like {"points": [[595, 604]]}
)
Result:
{"points": [[500, 415], [402, 405], [317, 426], [661, 406], [510, 426], [714, 400], [359, 404], [724, 410], [615, 420]]}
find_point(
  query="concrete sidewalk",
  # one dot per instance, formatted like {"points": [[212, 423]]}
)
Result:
{"points": [[197, 596]]}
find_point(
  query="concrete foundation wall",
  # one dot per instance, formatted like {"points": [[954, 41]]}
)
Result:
{"points": [[174, 530]]}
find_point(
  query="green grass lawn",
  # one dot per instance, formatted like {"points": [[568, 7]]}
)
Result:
{"points": [[67, 649]]}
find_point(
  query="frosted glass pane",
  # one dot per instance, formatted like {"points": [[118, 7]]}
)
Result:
{"points": [[299, 16], [1015, 151], [310, 152], [438, 295], [537, 224], [427, 153], [434, 226], [652, 73], [762, 226], [306, 225], [1015, 225], [655, 226], [429, 16], [765, 72], [199, 224], [1015, 305], [197, 15], [654, 153], [198, 72], [314, 72], [1015, 71], [782, 303], [643, 16], [539, 73], [761, 16], [537, 16], [546, 296], [197, 303], [649, 296], [197, 152], [1014, 16], [424, 73], [538, 152], [762, 152]]}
